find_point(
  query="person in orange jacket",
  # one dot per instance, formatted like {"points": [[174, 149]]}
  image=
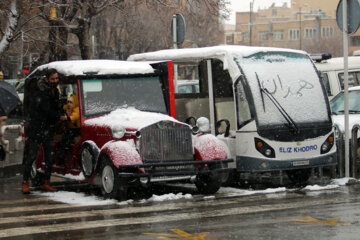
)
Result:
{"points": [[73, 125]]}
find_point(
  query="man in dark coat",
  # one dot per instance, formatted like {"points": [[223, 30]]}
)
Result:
{"points": [[45, 112]]}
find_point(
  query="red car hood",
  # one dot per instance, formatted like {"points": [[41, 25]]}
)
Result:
{"points": [[129, 118]]}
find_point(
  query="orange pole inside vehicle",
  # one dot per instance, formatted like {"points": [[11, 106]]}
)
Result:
{"points": [[171, 90]]}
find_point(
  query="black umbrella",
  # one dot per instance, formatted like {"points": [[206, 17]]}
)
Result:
{"points": [[9, 99]]}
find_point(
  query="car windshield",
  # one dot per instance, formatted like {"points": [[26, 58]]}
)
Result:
{"points": [[337, 103], [294, 91], [101, 96]]}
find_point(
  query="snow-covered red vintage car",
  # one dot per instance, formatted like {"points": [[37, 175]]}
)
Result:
{"points": [[129, 134]]}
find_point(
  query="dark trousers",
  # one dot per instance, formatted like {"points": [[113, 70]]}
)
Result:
{"points": [[32, 150], [66, 141]]}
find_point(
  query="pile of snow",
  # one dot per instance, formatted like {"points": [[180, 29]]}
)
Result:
{"points": [[85, 200]]}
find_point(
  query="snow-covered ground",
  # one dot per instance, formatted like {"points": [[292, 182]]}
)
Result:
{"points": [[85, 200]]}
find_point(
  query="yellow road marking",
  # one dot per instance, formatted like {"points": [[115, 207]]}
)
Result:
{"points": [[310, 220], [182, 235]]}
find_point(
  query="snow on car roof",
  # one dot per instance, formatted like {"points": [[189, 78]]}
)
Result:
{"points": [[336, 64], [100, 67]]}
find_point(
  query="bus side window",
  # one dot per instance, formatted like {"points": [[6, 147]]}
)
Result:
{"points": [[242, 104], [325, 80]]}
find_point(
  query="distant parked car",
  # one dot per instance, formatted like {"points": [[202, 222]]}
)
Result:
{"points": [[332, 73], [337, 108]]}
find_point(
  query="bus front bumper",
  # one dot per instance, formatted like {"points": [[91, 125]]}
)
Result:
{"points": [[249, 164]]}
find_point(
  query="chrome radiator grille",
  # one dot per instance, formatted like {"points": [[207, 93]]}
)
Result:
{"points": [[166, 141]]}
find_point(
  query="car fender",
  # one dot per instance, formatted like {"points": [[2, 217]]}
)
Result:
{"points": [[208, 147], [121, 153]]}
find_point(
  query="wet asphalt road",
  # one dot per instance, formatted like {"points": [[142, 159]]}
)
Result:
{"points": [[294, 214]]}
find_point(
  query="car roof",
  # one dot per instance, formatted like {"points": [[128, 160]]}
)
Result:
{"points": [[338, 64], [98, 67]]}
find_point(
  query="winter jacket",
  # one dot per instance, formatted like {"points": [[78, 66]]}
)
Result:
{"points": [[45, 111], [73, 112]]}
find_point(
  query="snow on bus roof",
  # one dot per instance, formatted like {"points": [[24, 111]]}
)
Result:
{"points": [[100, 67], [225, 53], [206, 52]]}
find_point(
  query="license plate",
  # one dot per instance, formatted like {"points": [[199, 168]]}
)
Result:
{"points": [[300, 163]]}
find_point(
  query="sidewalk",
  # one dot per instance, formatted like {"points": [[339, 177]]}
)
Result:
{"points": [[13, 161]]}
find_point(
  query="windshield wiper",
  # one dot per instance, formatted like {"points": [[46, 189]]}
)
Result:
{"points": [[261, 90], [291, 123]]}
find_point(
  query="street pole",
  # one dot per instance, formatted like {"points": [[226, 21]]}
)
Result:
{"points": [[175, 47], [346, 90], [250, 24], [300, 36], [22, 50]]}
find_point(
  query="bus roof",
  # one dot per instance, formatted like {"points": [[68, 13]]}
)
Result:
{"points": [[205, 52], [100, 67], [224, 53]]}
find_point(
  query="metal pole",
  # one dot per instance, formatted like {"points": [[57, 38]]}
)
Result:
{"points": [[175, 47], [300, 37], [22, 49], [346, 90], [250, 24]]}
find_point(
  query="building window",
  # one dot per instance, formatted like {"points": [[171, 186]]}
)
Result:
{"points": [[355, 41], [327, 32], [263, 36], [310, 33], [274, 12], [278, 35], [230, 38], [294, 34], [238, 37]]}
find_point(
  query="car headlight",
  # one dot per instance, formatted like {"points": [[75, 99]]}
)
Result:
{"points": [[118, 131], [203, 124]]}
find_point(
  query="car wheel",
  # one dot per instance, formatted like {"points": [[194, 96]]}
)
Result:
{"points": [[111, 184], [208, 183], [88, 160], [299, 176]]}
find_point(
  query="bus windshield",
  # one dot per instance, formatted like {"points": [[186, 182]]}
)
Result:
{"points": [[101, 96], [294, 95]]}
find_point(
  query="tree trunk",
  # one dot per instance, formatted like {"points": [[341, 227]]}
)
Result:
{"points": [[83, 35]]}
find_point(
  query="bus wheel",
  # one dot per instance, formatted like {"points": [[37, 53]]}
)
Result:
{"points": [[36, 177], [111, 186], [299, 176], [208, 183]]}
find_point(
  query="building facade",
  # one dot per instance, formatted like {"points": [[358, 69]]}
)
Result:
{"points": [[305, 24]]}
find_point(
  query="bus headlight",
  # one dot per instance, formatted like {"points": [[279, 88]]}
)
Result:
{"points": [[264, 148], [327, 145], [118, 131]]}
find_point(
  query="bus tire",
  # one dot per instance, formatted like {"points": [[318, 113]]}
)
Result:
{"points": [[299, 176], [111, 184]]}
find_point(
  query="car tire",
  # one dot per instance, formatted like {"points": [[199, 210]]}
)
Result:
{"points": [[208, 183], [88, 158], [111, 184]]}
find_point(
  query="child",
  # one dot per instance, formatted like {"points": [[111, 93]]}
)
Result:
{"points": [[73, 126]]}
